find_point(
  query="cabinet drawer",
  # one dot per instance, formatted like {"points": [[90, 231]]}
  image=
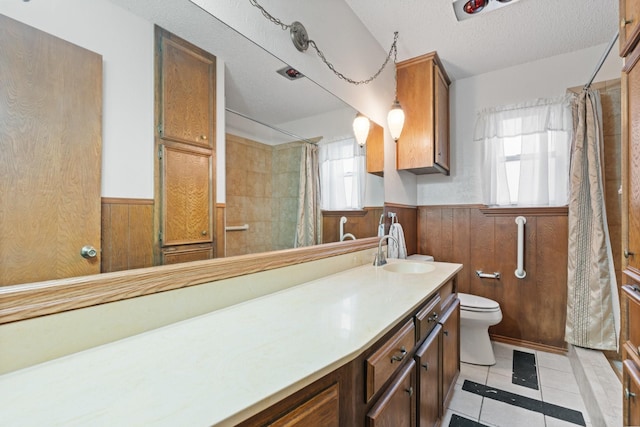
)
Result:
{"points": [[427, 318], [383, 363]]}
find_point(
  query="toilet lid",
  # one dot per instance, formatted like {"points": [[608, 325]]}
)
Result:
{"points": [[477, 303]]}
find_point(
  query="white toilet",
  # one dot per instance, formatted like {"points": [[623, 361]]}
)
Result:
{"points": [[476, 315]]}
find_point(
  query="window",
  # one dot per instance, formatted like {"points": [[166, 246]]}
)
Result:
{"points": [[525, 160], [342, 175]]}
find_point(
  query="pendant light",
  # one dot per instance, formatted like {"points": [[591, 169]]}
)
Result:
{"points": [[361, 127], [301, 41], [395, 117]]}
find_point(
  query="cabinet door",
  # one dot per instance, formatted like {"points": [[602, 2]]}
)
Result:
{"points": [[441, 119], [375, 150], [631, 391], [428, 382], [186, 192], [450, 350], [320, 410], [629, 20], [188, 87], [633, 163], [397, 405], [414, 149]]}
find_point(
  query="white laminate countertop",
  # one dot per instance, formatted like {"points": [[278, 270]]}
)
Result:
{"points": [[222, 367]]}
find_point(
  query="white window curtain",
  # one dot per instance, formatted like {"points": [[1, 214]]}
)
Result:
{"points": [[525, 153], [342, 175]]}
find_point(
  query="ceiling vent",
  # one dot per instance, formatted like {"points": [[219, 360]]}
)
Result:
{"points": [[466, 9], [290, 73]]}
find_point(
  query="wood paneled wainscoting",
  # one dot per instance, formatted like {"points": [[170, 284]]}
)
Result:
{"points": [[480, 238], [361, 223], [127, 227]]}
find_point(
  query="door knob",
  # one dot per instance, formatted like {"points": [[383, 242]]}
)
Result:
{"points": [[88, 252]]}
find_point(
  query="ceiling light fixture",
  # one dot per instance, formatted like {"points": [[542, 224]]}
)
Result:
{"points": [[361, 126], [465, 9], [301, 41]]}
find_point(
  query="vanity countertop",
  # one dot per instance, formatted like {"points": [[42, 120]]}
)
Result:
{"points": [[222, 367]]}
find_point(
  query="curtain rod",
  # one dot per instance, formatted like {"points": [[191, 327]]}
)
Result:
{"points": [[601, 62], [272, 127]]}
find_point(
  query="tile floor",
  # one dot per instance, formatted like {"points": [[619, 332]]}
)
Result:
{"points": [[557, 387]]}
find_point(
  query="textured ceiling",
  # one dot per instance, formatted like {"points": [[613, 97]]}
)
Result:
{"points": [[522, 32]]}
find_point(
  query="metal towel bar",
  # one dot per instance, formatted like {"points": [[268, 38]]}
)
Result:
{"points": [[482, 275], [237, 227]]}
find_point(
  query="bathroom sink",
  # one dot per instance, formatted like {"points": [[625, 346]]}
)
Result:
{"points": [[409, 267]]}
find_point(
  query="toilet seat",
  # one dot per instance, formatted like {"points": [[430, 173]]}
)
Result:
{"points": [[477, 303]]}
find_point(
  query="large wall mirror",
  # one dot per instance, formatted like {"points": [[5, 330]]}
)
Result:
{"points": [[263, 109]]}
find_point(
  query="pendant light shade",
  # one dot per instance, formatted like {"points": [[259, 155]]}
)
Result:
{"points": [[361, 127], [395, 120]]}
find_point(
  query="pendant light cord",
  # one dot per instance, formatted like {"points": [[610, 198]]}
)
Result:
{"points": [[392, 51]]}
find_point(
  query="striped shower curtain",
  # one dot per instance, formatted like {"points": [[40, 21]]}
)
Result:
{"points": [[593, 308], [309, 221]]}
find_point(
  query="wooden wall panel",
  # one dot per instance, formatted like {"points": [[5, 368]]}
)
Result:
{"points": [[221, 220], [127, 234], [534, 308], [408, 218], [361, 224]]}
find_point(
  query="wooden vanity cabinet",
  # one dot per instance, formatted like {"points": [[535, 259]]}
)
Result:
{"points": [[402, 380], [185, 146], [423, 92], [375, 150]]}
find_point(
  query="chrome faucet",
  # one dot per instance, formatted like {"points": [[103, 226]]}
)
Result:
{"points": [[380, 258]]}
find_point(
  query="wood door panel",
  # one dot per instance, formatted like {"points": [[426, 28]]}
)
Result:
{"points": [[321, 410], [428, 365], [187, 85], [186, 195], [375, 150], [441, 119], [397, 406], [51, 139], [415, 93], [633, 184], [629, 21]]}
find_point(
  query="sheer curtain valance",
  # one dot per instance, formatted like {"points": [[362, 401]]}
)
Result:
{"points": [[525, 152], [342, 174]]}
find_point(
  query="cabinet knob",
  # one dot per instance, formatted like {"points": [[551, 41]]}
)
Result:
{"points": [[399, 357], [410, 391], [204, 232], [628, 253], [425, 366], [88, 252], [433, 317], [629, 394], [203, 137], [446, 333], [625, 22]]}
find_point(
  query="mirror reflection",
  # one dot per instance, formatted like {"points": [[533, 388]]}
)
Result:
{"points": [[265, 113]]}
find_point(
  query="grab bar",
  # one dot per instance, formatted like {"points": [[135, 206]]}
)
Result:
{"points": [[482, 275], [520, 273], [237, 227]]}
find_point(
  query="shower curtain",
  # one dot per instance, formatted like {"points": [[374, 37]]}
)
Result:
{"points": [[593, 309], [309, 221]]}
